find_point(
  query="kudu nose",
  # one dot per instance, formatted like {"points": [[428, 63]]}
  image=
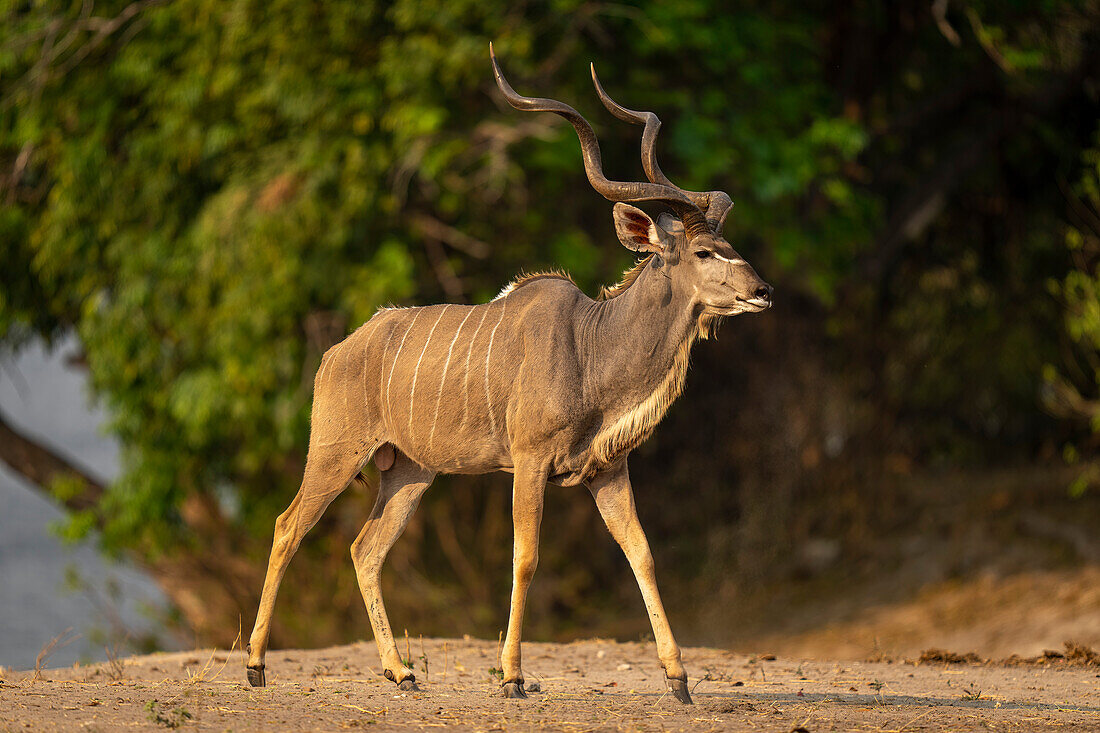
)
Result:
{"points": [[764, 292]]}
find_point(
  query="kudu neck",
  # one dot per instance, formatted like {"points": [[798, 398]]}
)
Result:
{"points": [[638, 333]]}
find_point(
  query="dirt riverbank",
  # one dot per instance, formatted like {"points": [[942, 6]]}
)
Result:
{"points": [[586, 685]]}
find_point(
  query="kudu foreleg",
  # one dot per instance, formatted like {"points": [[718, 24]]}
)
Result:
{"points": [[615, 500], [399, 492], [528, 490]]}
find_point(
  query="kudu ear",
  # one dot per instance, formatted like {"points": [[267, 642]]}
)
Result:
{"points": [[721, 212], [638, 232], [672, 226]]}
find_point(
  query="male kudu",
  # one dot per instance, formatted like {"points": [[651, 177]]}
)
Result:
{"points": [[542, 382]]}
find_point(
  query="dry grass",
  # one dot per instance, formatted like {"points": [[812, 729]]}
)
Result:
{"points": [[115, 667], [60, 641], [200, 676]]}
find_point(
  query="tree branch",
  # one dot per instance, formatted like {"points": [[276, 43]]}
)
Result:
{"points": [[922, 203], [429, 226], [42, 467]]}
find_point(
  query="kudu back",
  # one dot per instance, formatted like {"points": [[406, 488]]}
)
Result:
{"points": [[542, 382]]}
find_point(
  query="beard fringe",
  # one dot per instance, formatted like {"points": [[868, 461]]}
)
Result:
{"points": [[709, 324]]}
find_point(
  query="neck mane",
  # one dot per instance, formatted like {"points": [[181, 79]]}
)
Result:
{"points": [[525, 278], [608, 292]]}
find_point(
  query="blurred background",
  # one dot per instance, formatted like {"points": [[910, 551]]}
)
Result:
{"points": [[198, 198]]}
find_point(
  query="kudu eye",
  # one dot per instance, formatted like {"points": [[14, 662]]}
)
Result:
{"points": [[702, 254]]}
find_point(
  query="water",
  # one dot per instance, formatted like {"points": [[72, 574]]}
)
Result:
{"points": [[41, 395]]}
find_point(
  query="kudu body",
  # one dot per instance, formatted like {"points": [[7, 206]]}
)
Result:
{"points": [[542, 382]]}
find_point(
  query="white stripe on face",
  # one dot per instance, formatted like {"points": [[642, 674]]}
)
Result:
{"points": [[734, 261]]}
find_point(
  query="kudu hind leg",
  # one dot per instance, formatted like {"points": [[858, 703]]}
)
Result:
{"points": [[329, 470], [399, 492], [615, 500]]}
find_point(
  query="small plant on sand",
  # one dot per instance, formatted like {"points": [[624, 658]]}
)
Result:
{"points": [[496, 672], [115, 668], [423, 657], [407, 660], [173, 718], [971, 693]]}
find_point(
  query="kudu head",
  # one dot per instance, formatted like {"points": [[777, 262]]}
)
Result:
{"points": [[688, 247]]}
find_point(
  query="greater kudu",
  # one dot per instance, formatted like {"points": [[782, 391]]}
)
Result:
{"points": [[542, 382]]}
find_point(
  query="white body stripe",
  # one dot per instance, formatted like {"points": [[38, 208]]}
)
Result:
{"points": [[442, 379], [389, 381], [416, 372], [337, 350], [469, 352], [321, 374], [382, 377], [489, 353], [366, 343]]}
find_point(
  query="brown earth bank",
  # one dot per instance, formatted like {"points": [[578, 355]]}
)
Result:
{"points": [[994, 616], [585, 685]]}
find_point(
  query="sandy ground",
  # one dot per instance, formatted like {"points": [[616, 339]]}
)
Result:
{"points": [[587, 685]]}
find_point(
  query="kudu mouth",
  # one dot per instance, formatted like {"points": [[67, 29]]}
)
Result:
{"points": [[757, 304], [743, 305], [761, 301]]}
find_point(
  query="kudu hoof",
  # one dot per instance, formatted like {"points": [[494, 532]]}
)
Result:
{"points": [[533, 687], [679, 689], [408, 684], [256, 676], [514, 690]]}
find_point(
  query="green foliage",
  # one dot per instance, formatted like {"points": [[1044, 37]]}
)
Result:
{"points": [[210, 194], [202, 183], [1080, 290], [1071, 391]]}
